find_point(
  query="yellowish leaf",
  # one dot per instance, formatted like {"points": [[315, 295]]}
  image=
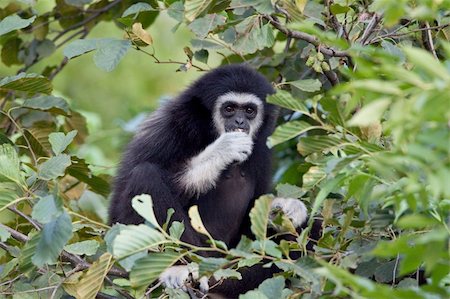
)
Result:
{"points": [[197, 222], [301, 4], [92, 281], [143, 35]]}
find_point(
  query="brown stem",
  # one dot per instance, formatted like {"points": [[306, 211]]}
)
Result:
{"points": [[370, 28], [427, 39]]}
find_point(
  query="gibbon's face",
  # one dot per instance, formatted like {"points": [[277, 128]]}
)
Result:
{"points": [[238, 112]]}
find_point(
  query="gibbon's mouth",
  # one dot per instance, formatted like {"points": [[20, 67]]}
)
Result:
{"points": [[238, 130]]}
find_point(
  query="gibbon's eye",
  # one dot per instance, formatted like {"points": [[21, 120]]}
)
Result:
{"points": [[229, 109], [249, 110]]}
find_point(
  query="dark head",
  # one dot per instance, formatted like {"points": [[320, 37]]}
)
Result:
{"points": [[235, 95]]}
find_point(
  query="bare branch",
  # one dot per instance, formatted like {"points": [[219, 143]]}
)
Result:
{"points": [[370, 28], [394, 33], [332, 77], [428, 39]]}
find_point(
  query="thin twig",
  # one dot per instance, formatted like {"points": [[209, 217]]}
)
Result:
{"points": [[392, 35], [23, 215], [428, 39], [156, 60], [370, 28], [87, 20], [305, 37]]}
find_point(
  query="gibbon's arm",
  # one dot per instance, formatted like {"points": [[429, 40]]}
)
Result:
{"points": [[202, 171]]}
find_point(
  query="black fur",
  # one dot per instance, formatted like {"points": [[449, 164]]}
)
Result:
{"points": [[181, 129]]}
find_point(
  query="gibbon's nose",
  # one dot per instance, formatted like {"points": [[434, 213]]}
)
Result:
{"points": [[239, 121]]}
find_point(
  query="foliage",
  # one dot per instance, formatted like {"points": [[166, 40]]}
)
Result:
{"points": [[363, 141]]}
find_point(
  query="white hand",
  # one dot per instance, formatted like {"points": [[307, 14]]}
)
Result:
{"points": [[234, 146], [294, 209]]}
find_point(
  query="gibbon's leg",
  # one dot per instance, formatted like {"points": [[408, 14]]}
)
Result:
{"points": [[150, 179], [202, 171]]}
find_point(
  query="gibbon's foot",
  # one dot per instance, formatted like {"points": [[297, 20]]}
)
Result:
{"points": [[294, 209], [176, 277]]}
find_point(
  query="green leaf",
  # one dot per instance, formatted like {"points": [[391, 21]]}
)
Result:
{"points": [[261, 6], [143, 205], [80, 170], [254, 38], [28, 83], [87, 247], [378, 86], [337, 9], [52, 104], [385, 273], [10, 165], [61, 141], [94, 204], [195, 8], [202, 26], [313, 176], [370, 113], [309, 85], [128, 262], [317, 143], [176, 11], [136, 238], [255, 294], [47, 209], [137, 8], [110, 53], [426, 62], [289, 191], [92, 281], [209, 265], [79, 47], [227, 273], [78, 3], [202, 56], [286, 100], [416, 221], [53, 167], [328, 187], [28, 251], [8, 193], [272, 288], [8, 267], [14, 22], [259, 217], [54, 235], [288, 131], [10, 51], [147, 269], [176, 229], [4, 234]]}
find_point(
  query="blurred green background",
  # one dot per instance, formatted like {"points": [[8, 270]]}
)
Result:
{"points": [[118, 99]]}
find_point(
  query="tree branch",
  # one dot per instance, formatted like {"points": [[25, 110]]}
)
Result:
{"points": [[428, 39], [370, 28], [305, 37], [73, 259]]}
